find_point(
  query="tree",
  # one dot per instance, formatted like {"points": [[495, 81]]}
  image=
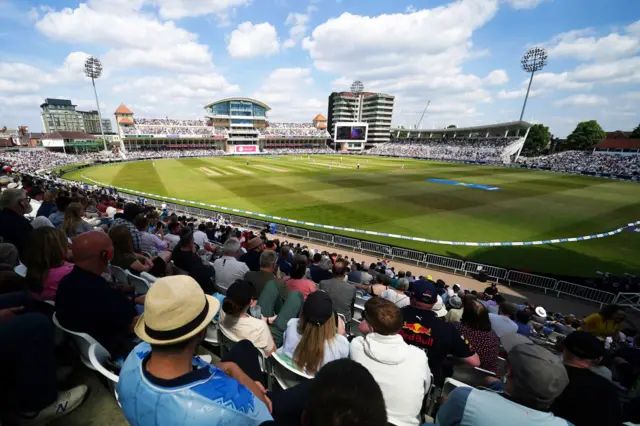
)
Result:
{"points": [[537, 140], [452, 126], [586, 135], [636, 133]]}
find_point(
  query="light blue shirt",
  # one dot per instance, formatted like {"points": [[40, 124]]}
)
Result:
{"points": [[502, 325], [336, 349], [474, 407]]}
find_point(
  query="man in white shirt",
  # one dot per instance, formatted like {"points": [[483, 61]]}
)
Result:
{"points": [[228, 268], [388, 358], [172, 238], [200, 237], [397, 295], [502, 323]]}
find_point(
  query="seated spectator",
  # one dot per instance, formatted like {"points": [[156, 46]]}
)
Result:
{"points": [[14, 227], [252, 257], [296, 280], [318, 269], [564, 327], [28, 365], [382, 283], [284, 264], [149, 243], [344, 393], [606, 323], [522, 319], [163, 378], [130, 212], [73, 224], [502, 322], [317, 337], [260, 278], [422, 328], [200, 237], [388, 358], [184, 257], [86, 303], [397, 295], [57, 217], [439, 308], [475, 327], [48, 206], [173, 237], [535, 378], [125, 258], [46, 263], [228, 268], [454, 314], [342, 294], [589, 399], [237, 324]]}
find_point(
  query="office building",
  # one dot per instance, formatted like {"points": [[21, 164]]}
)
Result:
{"points": [[61, 115], [376, 109]]}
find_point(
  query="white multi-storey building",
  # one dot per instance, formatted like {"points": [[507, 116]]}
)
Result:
{"points": [[376, 109]]}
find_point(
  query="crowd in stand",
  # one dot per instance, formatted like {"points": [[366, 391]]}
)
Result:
{"points": [[489, 150], [168, 122], [276, 298], [581, 161], [296, 151], [185, 131], [293, 129]]}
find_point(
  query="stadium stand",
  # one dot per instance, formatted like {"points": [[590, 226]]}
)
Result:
{"points": [[580, 161]]}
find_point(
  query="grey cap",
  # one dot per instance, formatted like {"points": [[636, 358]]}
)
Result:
{"points": [[537, 376]]}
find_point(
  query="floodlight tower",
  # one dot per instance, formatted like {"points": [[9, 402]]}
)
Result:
{"points": [[534, 59], [93, 70], [356, 89]]}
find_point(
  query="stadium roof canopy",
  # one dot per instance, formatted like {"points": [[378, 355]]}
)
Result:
{"points": [[122, 109], [262, 104], [487, 128]]}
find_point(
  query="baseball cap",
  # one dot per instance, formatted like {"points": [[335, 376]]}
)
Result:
{"points": [[317, 308], [538, 376], [241, 292], [584, 345], [424, 291]]}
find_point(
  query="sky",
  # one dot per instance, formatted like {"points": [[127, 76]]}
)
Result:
{"points": [[172, 57]]}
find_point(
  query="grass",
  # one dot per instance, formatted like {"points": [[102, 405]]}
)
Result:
{"points": [[530, 206]]}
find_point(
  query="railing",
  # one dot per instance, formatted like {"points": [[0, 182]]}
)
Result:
{"points": [[457, 266]]}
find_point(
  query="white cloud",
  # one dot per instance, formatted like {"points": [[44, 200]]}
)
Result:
{"points": [[518, 94], [410, 9], [622, 71], [583, 46], [497, 78], [524, 4], [298, 23], [175, 9], [7, 86], [249, 40], [561, 81], [582, 100]]}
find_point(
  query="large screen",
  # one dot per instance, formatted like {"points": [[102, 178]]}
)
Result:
{"points": [[351, 133]]}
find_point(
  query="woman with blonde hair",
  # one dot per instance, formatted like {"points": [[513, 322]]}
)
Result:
{"points": [[45, 259], [73, 224], [317, 337]]}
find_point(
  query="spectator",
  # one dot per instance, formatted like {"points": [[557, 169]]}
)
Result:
{"points": [[14, 227], [343, 294], [73, 225], [265, 274], [200, 237], [297, 281], [57, 217], [131, 211], [28, 364], [397, 295], [522, 321], [47, 206], [455, 312], [228, 268], [173, 237], [589, 399], [149, 243], [439, 308], [344, 393], [283, 260], [606, 323], [318, 273], [237, 324], [317, 337], [164, 367], [423, 329], [354, 275], [86, 303], [475, 327], [535, 378], [564, 327], [46, 263], [383, 282], [125, 258], [502, 322], [184, 257], [252, 257], [388, 358]]}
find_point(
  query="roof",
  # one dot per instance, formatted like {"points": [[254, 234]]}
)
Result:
{"points": [[122, 109], [320, 117], [364, 94], [619, 144], [68, 135], [486, 127], [125, 120], [262, 104], [618, 134], [52, 101]]}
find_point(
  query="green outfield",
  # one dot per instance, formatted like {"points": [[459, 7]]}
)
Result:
{"points": [[381, 196]]}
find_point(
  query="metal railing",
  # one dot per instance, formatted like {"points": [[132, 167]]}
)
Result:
{"points": [[491, 271], [585, 293], [531, 280], [630, 300]]}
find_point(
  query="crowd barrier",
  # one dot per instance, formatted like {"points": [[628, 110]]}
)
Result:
{"points": [[629, 300]]}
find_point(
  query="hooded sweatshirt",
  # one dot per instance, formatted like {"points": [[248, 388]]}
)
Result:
{"points": [[401, 370]]}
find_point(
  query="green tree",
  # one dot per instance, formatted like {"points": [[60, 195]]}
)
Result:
{"points": [[537, 140], [636, 132], [585, 136], [452, 126]]}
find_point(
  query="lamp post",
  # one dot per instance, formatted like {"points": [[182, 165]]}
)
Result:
{"points": [[93, 70], [534, 59]]}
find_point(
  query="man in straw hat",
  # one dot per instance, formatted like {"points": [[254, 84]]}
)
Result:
{"points": [[163, 379]]}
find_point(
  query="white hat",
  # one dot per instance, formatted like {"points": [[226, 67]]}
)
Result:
{"points": [[439, 308], [164, 206], [541, 312]]}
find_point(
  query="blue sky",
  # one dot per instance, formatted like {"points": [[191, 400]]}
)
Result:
{"points": [[171, 57]]}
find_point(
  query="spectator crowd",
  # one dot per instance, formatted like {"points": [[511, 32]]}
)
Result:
{"points": [[582, 161]]}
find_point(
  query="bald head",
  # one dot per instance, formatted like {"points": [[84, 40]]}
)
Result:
{"points": [[89, 248]]}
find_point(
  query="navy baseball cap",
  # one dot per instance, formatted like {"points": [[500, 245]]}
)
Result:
{"points": [[424, 291]]}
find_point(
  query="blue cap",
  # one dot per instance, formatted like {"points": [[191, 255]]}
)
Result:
{"points": [[424, 291]]}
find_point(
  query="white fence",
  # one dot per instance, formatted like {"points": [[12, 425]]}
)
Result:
{"points": [[457, 266]]}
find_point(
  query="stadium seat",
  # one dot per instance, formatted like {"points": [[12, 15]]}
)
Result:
{"points": [[502, 364], [450, 384], [81, 341], [150, 279], [141, 285], [227, 343], [98, 355], [119, 275], [285, 372]]}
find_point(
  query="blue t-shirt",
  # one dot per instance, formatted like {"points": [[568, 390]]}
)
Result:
{"points": [[474, 407], [204, 397]]}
